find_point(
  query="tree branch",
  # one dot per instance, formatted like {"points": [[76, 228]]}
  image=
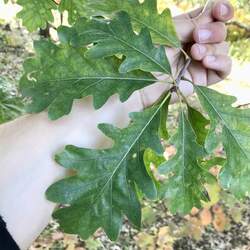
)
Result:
{"points": [[239, 25]]}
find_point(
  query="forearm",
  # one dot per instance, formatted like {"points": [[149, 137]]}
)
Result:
{"points": [[28, 145], [27, 166]]}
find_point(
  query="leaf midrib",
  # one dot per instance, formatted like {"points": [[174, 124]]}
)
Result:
{"points": [[183, 153], [133, 17], [99, 78], [130, 148], [138, 50], [224, 122], [154, 30]]}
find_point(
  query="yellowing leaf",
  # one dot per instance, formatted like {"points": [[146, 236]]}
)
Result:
{"points": [[194, 228], [164, 239], [145, 241], [148, 216]]}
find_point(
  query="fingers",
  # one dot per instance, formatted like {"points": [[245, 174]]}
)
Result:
{"points": [[199, 51], [198, 73], [222, 64], [214, 57], [210, 33], [185, 24], [222, 11]]}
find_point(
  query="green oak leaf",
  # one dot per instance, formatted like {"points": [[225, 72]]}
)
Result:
{"points": [[163, 131], [75, 8], [104, 187], [184, 187], [36, 13], [143, 15], [235, 175], [199, 124], [59, 74], [117, 37]]}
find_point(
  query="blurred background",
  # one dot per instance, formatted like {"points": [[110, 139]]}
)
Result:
{"points": [[223, 223]]}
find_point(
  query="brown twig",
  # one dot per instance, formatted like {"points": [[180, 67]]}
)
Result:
{"points": [[243, 105], [183, 71], [180, 76], [239, 25]]}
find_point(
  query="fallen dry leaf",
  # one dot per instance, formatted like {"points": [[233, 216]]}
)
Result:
{"points": [[145, 241], [217, 209], [164, 240], [195, 228], [206, 216], [194, 211], [220, 222]]}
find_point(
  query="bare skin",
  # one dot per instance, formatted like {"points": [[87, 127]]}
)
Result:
{"points": [[202, 33], [206, 35], [29, 143]]}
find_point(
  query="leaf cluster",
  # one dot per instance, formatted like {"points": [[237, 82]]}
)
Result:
{"points": [[112, 51]]}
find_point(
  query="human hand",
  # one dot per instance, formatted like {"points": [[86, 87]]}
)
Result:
{"points": [[203, 37], [202, 33]]}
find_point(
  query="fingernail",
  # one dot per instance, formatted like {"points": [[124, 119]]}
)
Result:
{"points": [[210, 59], [204, 35], [224, 10], [202, 49]]}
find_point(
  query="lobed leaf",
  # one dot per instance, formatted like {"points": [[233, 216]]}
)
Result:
{"points": [[235, 123], [60, 74], [143, 15], [117, 37], [184, 187], [104, 187], [75, 8], [42, 15]]}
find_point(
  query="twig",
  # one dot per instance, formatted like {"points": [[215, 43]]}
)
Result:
{"points": [[239, 25], [243, 105], [180, 76], [183, 71]]}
